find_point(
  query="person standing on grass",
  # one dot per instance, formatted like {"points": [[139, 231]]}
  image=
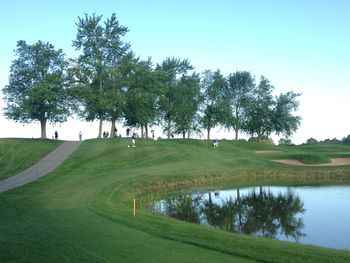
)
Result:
{"points": [[56, 135], [216, 143], [80, 136], [133, 140]]}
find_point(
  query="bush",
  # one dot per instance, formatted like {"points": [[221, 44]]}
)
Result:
{"points": [[312, 158], [262, 139], [346, 140], [334, 140], [311, 141], [285, 141]]}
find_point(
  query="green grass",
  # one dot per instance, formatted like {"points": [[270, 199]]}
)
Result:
{"points": [[82, 211], [18, 154], [313, 158]]}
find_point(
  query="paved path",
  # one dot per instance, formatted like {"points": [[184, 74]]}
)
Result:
{"points": [[43, 167]]}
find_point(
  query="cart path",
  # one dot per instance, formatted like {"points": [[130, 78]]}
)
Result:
{"points": [[43, 167]]}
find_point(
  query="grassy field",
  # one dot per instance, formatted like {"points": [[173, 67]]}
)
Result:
{"points": [[18, 154], [82, 212]]}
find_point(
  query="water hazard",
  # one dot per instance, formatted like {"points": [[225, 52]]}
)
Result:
{"points": [[311, 215]]}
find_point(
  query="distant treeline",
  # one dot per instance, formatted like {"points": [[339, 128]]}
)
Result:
{"points": [[287, 141], [109, 83], [345, 140]]}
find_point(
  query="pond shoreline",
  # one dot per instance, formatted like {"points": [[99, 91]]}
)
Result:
{"points": [[271, 205]]}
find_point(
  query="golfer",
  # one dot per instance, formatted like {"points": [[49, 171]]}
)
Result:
{"points": [[133, 140]]}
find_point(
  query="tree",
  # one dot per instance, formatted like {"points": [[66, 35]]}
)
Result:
{"points": [[283, 120], [334, 140], [142, 96], [187, 101], [266, 115], [214, 86], [116, 90], [241, 86], [259, 110], [102, 49], [171, 69], [36, 89], [311, 141], [284, 141], [346, 140]]}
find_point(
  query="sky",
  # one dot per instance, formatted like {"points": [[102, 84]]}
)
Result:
{"points": [[298, 45]]}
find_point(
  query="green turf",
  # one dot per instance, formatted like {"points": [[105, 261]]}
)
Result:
{"points": [[18, 154], [82, 212]]}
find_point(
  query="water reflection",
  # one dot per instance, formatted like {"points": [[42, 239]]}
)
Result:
{"points": [[257, 213]]}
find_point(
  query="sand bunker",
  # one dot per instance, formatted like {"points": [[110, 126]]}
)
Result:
{"points": [[334, 162], [267, 152]]}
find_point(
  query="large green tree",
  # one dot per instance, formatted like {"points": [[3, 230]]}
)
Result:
{"points": [[187, 102], [259, 111], [142, 96], [102, 50], [36, 90], [240, 88], [215, 106], [266, 115], [119, 79], [172, 69], [284, 121]]}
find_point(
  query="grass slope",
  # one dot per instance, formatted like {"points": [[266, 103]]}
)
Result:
{"points": [[18, 154], [82, 211]]}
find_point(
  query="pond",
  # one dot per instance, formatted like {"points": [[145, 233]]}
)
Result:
{"points": [[311, 215]]}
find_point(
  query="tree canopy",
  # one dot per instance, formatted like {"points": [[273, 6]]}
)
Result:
{"points": [[241, 85], [216, 105], [142, 96], [37, 89], [172, 71], [107, 82], [102, 51]]}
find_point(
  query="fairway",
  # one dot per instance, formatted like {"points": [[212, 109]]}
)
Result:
{"points": [[82, 211]]}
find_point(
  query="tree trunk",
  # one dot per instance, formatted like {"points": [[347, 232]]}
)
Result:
{"points": [[146, 130], [208, 133], [237, 121], [100, 128], [100, 98], [169, 123], [259, 135], [189, 133], [43, 128], [112, 129], [236, 133], [141, 131], [183, 134]]}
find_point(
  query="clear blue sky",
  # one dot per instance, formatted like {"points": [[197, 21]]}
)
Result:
{"points": [[299, 45]]}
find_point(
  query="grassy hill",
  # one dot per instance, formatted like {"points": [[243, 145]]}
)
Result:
{"points": [[82, 212], [18, 154]]}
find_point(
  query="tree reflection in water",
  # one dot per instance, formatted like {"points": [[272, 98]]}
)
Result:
{"points": [[258, 213]]}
